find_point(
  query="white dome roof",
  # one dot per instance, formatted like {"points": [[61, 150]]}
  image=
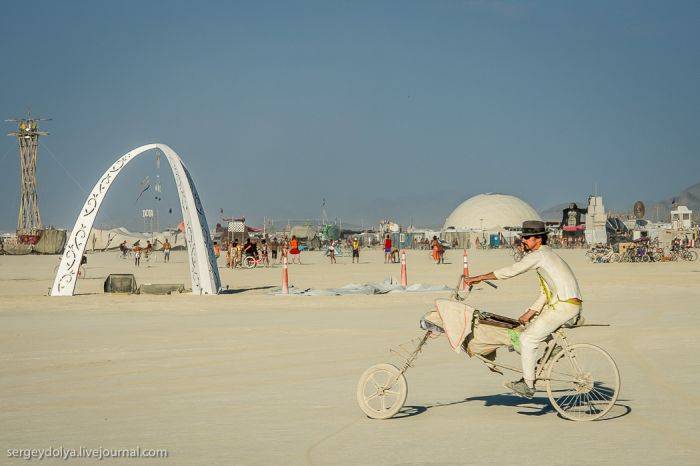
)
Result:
{"points": [[490, 212]]}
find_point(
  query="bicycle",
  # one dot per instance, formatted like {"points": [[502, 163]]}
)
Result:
{"points": [[582, 380], [127, 254], [250, 262], [685, 254]]}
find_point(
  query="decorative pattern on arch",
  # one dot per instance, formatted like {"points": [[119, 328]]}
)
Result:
{"points": [[203, 269]]}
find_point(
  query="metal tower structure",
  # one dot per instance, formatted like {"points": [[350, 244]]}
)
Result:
{"points": [[27, 134]]}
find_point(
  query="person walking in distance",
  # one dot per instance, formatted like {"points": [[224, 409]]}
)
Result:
{"points": [[331, 251], [355, 250], [294, 250], [559, 300], [387, 249], [284, 249], [229, 254], [137, 254], [435, 247], [274, 245], [239, 253], [166, 250], [265, 253]]}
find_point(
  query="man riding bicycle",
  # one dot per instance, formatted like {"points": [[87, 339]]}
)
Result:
{"points": [[124, 249], [250, 249], [559, 300]]}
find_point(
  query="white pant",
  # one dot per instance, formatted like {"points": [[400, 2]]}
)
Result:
{"points": [[550, 319]]}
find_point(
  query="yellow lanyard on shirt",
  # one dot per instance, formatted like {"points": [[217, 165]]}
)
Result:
{"points": [[545, 288]]}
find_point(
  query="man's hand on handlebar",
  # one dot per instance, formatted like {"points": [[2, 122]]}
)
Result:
{"points": [[469, 281]]}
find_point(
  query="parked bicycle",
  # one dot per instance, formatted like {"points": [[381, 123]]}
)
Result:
{"points": [[685, 254]]}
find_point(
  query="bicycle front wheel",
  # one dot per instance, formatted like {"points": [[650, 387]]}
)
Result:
{"points": [[382, 391], [583, 382]]}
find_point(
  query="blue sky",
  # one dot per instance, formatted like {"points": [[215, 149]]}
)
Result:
{"points": [[382, 108]]}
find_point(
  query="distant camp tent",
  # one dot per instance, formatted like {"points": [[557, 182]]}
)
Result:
{"points": [[303, 232], [52, 241]]}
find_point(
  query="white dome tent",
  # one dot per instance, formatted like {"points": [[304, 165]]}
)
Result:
{"points": [[490, 212], [485, 214]]}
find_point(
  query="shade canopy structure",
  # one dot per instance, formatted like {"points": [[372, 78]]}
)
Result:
{"points": [[487, 212]]}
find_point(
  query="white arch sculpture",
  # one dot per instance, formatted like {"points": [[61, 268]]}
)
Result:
{"points": [[203, 268]]}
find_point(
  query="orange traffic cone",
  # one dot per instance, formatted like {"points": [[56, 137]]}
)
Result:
{"points": [[404, 278], [285, 276]]}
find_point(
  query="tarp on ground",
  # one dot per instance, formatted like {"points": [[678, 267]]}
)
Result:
{"points": [[161, 288], [106, 240], [387, 286]]}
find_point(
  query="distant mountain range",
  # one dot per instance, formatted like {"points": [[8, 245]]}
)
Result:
{"points": [[689, 197]]}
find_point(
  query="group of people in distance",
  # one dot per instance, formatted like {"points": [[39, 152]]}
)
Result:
{"points": [[138, 251], [354, 245], [391, 252], [266, 252], [262, 251]]}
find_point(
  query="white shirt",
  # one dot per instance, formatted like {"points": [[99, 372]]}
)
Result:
{"points": [[557, 277]]}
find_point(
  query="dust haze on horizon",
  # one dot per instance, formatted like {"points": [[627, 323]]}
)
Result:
{"points": [[382, 111]]}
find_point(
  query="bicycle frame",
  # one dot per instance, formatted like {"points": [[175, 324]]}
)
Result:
{"points": [[558, 338]]}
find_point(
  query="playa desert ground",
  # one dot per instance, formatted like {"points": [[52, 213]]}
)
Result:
{"points": [[250, 377]]}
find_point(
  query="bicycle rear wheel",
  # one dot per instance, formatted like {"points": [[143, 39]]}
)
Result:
{"points": [[583, 383]]}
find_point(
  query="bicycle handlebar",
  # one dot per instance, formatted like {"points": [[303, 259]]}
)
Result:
{"points": [[455, 292]]}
